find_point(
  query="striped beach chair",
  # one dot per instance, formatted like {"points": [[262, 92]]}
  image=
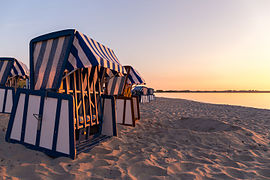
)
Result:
{"points": [[150, 94], [66, 111], [127, 105], [13, 74]]}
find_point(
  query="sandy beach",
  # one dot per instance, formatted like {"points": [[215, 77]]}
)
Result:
{"points": [[175, 139]]}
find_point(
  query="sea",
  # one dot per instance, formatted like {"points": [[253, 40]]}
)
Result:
{"points": [[255, 100]]}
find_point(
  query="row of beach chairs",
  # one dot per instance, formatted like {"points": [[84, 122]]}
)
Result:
{"points": [[78, 92], [144, 94]]}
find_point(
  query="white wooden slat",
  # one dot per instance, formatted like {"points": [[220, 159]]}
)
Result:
{"points": [[63, 142], [128, 113], [2, 95], [31, 121], [9, 101], [119, 110], [17, 123], [48, 122], [107, 125], [135, 107]]}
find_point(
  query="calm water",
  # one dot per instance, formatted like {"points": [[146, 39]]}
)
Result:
{"points": [[257, 100]]}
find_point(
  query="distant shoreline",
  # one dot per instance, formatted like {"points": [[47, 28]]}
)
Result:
{"points": [[227, 91]]}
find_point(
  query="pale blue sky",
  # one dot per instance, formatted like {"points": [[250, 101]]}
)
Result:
{"points": [[174, 44]]}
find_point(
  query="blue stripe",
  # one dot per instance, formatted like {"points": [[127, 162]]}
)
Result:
{"points": [[15, 70], [26, 101], [114, 66], [1, 64], [74, 52], [102, 63], [69, 66], [131, 79], [56, 125], [5, 100], [41, 108]]}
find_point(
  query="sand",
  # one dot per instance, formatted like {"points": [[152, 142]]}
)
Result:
{"points": [[175, 139]]}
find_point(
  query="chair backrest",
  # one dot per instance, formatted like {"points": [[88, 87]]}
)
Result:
{"points": [[116, 85]]}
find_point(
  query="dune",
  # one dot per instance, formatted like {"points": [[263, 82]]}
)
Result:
{"points": [[175, 139]]}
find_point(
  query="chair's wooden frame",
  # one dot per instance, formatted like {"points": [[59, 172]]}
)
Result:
{"points": [[14, 81], [85, 88]]}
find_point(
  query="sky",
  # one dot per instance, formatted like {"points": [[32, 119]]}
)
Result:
{"points": [[174, 44]]}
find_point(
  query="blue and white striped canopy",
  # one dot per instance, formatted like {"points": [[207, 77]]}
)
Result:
{"points": [[70, 50], [10, 67], [133, 76], [86, 52]]}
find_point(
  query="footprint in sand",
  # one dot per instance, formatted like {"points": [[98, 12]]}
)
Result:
{"points": [[100, 150]]}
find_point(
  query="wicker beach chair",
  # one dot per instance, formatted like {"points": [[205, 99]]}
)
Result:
{"points": [[127, 105], [66, 111], [13, 75]]}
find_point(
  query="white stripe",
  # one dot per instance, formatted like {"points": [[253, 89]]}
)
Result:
{"points": [[105, 63], [117, 68], [48, 122], [3, 69], [84, 59], [2, 96], [17, 123], [56, 59], [43, 65], [12, 72], [63, 142], [17, 69], [31, 122], [72, 61]]}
